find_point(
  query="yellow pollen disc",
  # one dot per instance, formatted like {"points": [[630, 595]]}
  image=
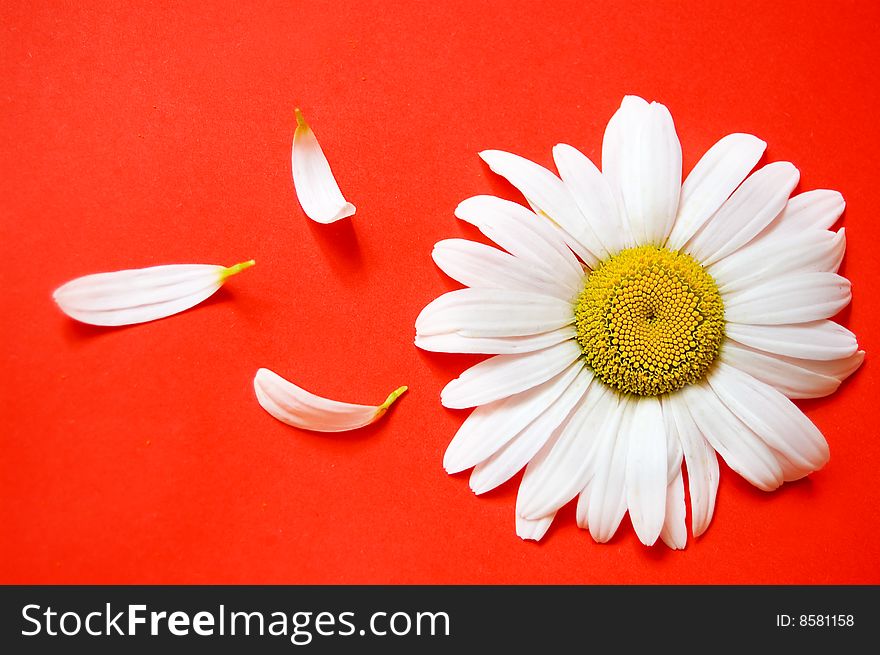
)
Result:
{"points": [[649, 321]]}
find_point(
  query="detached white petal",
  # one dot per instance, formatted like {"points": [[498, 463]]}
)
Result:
{"points": [[297, 407], [315, 185], [141, 294]]}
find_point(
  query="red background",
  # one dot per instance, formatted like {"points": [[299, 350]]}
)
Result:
{"points": [[139, 136]]}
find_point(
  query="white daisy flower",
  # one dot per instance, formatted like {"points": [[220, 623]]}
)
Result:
{"points": [[640, 324]]}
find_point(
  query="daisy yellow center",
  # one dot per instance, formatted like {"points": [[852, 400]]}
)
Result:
{"points": [[649, 320]]}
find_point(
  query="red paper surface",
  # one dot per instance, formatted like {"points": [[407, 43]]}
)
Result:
{"points": [[140, 136]]}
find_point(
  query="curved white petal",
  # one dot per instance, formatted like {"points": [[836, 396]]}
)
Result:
{"points": [[796, 378], [545, 429], [481, 266], [141, 294], [813, 251], [547, 194], [619, 142], [590, 191], [822, 340], [798, 298], [721, 170], [608, 486], [315, 185], [771, 416], [533, 530], [674, 533], [746, 213], [642, 162], [523, 233], [493, 313], [566, 465], [297, 407], [457, 343], [583, 507], [674, 452], [505, 375], [646, 469], [700, 459], [491, 426], [743, 450], [818, 209]]}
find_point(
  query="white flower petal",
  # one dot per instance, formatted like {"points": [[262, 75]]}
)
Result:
{"points": [[771, 416], [491, 426], [548, 195], [315, 185], [590, 191], [812, 251], [821, 340], [583, 507], [674, 453], [608, 485], [505, 375], [746, 213], [818, 209], [699, 456], [641, 159], [566, 465], [520, 450], [523, 233], [481, 266], [796, 378], [674, 532], [527, 529], [142, 294], [457, 343], [743, 450], [798, 298], [621, 139], [493, 313], [297, 407], [646, 469], [721, 170]]}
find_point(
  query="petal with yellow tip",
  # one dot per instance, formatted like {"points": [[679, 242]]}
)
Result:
{"points": [[297, 407], [142, 294], [315, 185]]}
